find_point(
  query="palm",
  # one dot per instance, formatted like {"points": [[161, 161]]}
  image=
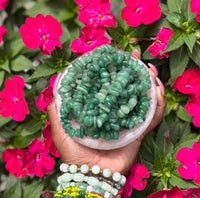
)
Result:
{"points": [[119, 160]]}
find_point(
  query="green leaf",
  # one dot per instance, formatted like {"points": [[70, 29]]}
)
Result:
{"points": [[195, 55], [147, 151], [5, 66], [147, 55], [65, 15], [178, 62], [14, 189], [162, 135], [190, 40], [21, 63], [183, 114], [176, 180], [30, 127], [2, 75], [65, 36], [174, 5], [17, 5], [42, 71], [187, 141], [14, 47], [33, 189], [24, 141], [4, 121], [186, 10], [175, 41], [175, 18]]}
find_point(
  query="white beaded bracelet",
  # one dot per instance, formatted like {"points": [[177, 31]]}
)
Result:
{"points": [[117, 177], [72, 175]]}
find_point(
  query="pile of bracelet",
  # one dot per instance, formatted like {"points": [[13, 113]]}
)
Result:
{"points": [[91, 180], [105, 91]]}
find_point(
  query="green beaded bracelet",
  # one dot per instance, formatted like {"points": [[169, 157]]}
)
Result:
{"points": [[103, 93]]}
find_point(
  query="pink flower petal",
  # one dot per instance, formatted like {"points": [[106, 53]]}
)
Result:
{"points": [[141, 11], [189, 82], [3, 4], [21, 111], [186, 157]]}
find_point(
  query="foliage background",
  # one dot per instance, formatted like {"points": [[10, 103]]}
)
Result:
{"points": [[159, 147]]}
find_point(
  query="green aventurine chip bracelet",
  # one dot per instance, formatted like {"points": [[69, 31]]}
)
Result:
{"points": [[104, 92]]}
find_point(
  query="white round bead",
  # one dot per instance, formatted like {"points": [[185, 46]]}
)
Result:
{"points": [[66, 177], [85, 169], [122, 181], [96, 169], [64, 167], [93, 181], [59, 180], [86, 178], [65, 185], [116, 176], [106, 187], [107, 173], [106, 194], [73, 168], [89, 188], [114, 191], [78, 177], [58, 188], [72, 184]]}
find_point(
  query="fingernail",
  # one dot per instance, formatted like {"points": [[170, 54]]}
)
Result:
{"points": [[154, 69], [135, 54], [55, 84], [162, 87]]}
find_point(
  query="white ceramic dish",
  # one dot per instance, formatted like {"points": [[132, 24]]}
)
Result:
{"points": [[125, 136]]}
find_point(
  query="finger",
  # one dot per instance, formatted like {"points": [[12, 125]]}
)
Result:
{"points": [[153, 69], [160, 110], [135, 54], [56, 129]]}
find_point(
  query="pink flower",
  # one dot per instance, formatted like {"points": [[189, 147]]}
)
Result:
{"points": [[190, 159], [46, 95], [82, 3], [189, 82], [43, 32], [48, 140], [193, 108], [97, 13], [192, 193], [90, 38], [36, 160], [175, 192], [12, 101], [195, 7], [141, 11], [3, 33], [160, 43], [13, 159], [3, 4], [137, 173]]}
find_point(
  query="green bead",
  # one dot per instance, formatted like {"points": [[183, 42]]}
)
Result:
{"points": [[125, 109], [116, 86], [88, 120], [101, 63], [78, 132], [116, 127], [100, 122], [102, 106], [113, 92], [71, 132]]}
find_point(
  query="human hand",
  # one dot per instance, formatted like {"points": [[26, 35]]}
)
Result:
{"points": [[118, 160]]}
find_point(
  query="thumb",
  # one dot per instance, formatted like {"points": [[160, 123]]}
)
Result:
{"points": [[57, 131]]}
